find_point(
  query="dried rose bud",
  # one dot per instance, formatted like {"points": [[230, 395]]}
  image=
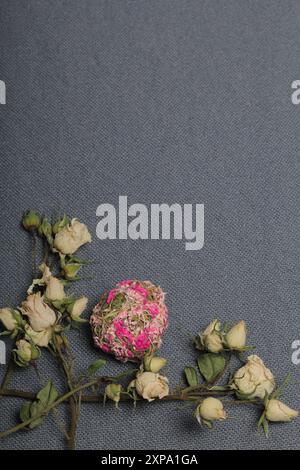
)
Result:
{"points": [[45, 228], [211, 337], [9, 318], [236, 336], [70, 270], [211, 409], [113, 391], [55, 289], [31, 220], [23, 350], [76, 308], [26, 351], [278, 411], [154, 363]]}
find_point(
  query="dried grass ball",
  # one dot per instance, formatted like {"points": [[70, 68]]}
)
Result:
{"points": [[129, 321]]}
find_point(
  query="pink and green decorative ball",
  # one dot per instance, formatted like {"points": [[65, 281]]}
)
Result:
{"points": [[129, 320]]}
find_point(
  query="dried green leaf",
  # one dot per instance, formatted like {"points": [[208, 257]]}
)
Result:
{"points": [[191, 376], [127, 373], [261, 420], [95, 366], [198, 343], [211, 365], [44, 399], [47, 395], [266, 427], [35, 410], [25, 411], [207, 423]]}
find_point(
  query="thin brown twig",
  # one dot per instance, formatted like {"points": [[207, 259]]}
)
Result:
{"points": [[33, 234], [4, 392], [98, 398], [8, 374], [74, 403]]}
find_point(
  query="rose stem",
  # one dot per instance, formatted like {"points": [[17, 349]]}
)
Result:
{"points": [[46, 252], [97, 398], [33, 253], [8, 374], [74, 407], [4, 392]]}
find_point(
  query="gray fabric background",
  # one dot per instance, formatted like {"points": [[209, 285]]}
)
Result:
{"points": [[163, 101]]}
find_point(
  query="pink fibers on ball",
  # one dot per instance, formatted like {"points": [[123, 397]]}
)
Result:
{"points": [[129, 321]]}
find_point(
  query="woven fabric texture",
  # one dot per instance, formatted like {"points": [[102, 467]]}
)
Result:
{"points": [[164, 101]]}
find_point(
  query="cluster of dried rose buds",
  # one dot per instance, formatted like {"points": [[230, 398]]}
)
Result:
{"points": [[48, 308]]}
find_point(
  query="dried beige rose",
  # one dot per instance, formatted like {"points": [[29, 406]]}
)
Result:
{"points": [[40, 338], [150, 385], [40, 315], [55, 289], [72, 237], [254, 379]]}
